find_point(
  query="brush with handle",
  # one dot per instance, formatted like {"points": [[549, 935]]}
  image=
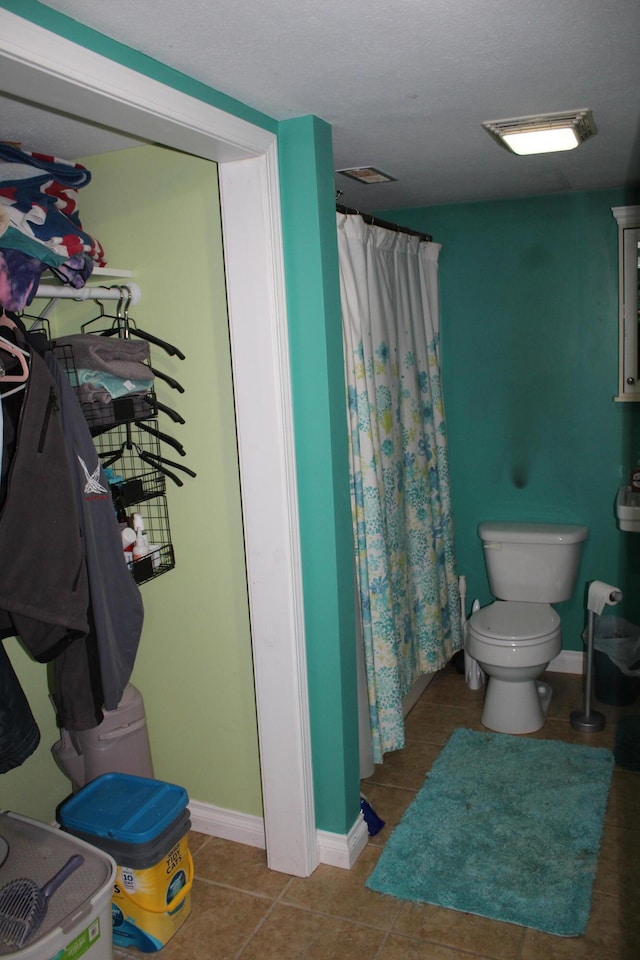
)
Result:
{"points": [[23, 904]]}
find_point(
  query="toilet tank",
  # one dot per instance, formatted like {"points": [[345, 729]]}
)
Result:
{"points": [[534, 562]]}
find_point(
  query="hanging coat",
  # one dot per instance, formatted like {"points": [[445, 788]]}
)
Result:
{"points": [[44, 586], [116, 604], [44, 589], [19, 734], [67, 592]]}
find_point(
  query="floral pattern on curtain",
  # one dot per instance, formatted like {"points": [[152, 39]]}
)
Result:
{"points": [[400, 497]]}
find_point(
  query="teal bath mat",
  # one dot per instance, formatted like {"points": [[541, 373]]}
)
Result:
{"points": [[504, 827]]}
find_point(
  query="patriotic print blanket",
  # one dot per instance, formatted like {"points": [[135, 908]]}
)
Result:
{"points": [[39, 224]]}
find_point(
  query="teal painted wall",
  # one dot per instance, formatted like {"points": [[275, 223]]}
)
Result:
{"points": [[529, 316], [318, 392], [315, 332]]}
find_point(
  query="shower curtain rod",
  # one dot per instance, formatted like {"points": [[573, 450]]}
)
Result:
{"points": [[377, 222]]}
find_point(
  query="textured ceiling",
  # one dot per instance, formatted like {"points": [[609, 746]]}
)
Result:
{"points": [[406, 84]]}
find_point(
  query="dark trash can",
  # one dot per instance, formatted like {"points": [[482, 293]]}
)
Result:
{"points": [[610, 684], [616, 661]]}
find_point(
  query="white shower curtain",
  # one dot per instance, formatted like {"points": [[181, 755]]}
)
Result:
{"points": [[403, 528]]}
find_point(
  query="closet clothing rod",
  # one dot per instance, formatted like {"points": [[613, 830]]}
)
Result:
{"points": [[52, 291], [385, 224]]}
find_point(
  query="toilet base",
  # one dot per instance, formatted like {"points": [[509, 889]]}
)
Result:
{"points": [[515, 707]]}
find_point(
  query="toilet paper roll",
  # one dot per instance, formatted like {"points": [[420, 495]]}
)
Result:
{"points": [[600, 595]]}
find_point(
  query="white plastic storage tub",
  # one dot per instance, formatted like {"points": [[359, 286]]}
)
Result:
{"points": [[77, 922]]}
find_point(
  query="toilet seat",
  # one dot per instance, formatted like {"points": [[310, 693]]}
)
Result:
{"points": [[512, 620]]}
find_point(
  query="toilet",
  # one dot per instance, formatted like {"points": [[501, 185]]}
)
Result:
{"points": [[530, 566]]}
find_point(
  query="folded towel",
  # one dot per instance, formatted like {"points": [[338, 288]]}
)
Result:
{"points": [[99, 380], [120, 357]]}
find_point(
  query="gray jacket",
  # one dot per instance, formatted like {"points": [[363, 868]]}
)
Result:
{"points": [[116, 610]]}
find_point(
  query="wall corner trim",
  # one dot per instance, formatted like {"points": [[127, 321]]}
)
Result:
{"points": [[334, 849], [343, 849]]}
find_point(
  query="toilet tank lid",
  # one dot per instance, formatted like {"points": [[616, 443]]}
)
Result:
{"points": [[532, 532]]}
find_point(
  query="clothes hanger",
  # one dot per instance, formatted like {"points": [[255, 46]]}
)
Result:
{"points": [[154, 403], [101, 316], [130, 325], [147, 458], [7, 321], [165, 437], [153, 431], [21, 355], [109, 457], [39, 327], [155, 457], [15, 351], [137, 332], [167, 379]]}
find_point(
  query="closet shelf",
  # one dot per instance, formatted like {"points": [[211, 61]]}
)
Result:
{"points": [[110, 272]]}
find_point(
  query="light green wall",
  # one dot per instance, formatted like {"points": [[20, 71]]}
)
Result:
{"points": [[156, 212], [529, 322]]}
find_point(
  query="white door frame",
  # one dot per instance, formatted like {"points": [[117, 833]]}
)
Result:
{"points": [[49, 70]]}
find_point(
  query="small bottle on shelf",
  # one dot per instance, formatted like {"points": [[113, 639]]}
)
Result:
{"points": [[140, 547], [128, 540]]}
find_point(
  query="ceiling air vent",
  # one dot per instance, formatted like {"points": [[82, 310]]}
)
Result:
{"points": [[366, 175]]}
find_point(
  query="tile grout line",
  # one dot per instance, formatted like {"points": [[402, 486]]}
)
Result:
{"points": [[263, 920], [258, 926]]}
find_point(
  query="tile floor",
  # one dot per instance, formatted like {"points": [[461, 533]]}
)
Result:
{"points": [[243, 911]]}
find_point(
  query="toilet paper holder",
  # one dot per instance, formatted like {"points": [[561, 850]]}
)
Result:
{"points": [[599, 595]]}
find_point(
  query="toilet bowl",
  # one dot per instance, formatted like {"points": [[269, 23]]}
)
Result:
{"points": [[530, 566], [514, 642]]}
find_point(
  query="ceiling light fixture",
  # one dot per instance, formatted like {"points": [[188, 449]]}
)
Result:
{"points": [[366, 175], [545, 133]]}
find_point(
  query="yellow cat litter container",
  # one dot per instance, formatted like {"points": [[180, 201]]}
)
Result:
{"points": [[143, 825]]}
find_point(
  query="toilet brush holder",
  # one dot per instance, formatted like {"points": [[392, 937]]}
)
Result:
{"points": [[588, 720]]}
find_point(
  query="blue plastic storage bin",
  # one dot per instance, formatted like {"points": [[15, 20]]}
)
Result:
{"points": [[143, 824]]}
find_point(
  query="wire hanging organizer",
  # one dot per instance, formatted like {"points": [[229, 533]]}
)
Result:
{"points": [[125, 429], [123, 452], [103, 406], [136, 492], [140, 493]]}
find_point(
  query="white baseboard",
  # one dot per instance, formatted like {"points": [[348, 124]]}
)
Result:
{"points": [[567, 661], [342, 850], [227, 824], [335, 849]]}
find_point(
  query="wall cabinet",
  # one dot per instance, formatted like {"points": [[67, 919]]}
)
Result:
{"points": [[628, 220]]}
